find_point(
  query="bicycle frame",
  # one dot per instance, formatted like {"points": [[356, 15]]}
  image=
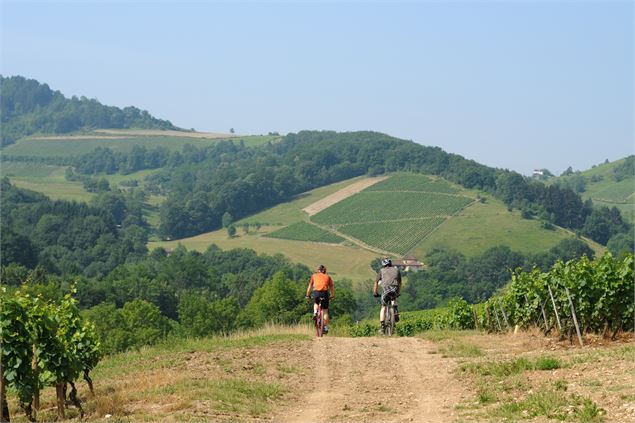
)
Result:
{"points": [[319, 321]]}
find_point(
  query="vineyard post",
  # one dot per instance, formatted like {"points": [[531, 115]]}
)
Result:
{"points": [[500, 328], [500, 305], [575, 319], [475, 317], [544, 315], [36, 393], [4, 406], [555, 309]]}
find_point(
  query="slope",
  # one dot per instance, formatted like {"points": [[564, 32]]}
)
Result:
{"points": [[470, 230], [604, 187]]}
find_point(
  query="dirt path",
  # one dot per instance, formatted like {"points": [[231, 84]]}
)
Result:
{"points": [[338, 196], [376, 379]]}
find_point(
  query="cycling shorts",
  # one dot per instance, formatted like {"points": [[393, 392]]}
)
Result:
{"points": [[321, 296], [389, 294]]}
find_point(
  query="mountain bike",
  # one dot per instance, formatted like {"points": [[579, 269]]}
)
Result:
{"points": [[319, 320]]}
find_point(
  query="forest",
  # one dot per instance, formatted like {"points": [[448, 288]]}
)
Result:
{"points": [[28, 107]]}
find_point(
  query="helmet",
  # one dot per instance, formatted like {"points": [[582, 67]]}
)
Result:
{"points": [[321, 268], [386, 262]]}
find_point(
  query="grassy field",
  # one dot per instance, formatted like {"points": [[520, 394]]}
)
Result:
{"points": [[484, 225], [76, 145], [48, 180], [604, 190], [342, 260]]}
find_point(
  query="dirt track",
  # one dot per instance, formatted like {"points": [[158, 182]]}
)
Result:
{"points": [[376, 379], [340, 195]]}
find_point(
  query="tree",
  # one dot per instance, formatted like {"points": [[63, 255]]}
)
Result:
{"points": [[279, 300], [231, 231], [231, 130], [245, 227], [227, 220]]}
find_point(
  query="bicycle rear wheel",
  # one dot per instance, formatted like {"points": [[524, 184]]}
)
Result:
{"points": [[390, 320], [319, 323]]}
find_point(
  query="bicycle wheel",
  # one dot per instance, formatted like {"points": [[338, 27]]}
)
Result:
{"points": [[390, 320], [319, 323]]}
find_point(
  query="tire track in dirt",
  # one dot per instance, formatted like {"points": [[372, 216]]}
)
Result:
{"points": [[371, 379]]}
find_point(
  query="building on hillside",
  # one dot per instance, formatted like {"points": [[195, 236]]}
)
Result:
{"points": [[408, 264]]}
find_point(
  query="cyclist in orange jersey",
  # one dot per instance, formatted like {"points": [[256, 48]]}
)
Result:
{"points": [[320, 284]]}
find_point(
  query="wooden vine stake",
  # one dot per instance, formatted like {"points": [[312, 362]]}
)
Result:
{"points": [[498, 321], [503, 313], [555, 309], [36, 394], [475, 318], [544, 315], [575, 319]]}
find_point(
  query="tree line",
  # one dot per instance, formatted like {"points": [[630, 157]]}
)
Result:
{"points": [[28, 107]]}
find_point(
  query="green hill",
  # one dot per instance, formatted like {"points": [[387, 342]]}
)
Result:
{"points": [[610, 184], [404, 214]]}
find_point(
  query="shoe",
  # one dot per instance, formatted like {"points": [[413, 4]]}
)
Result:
{"points": [[326, 329]]}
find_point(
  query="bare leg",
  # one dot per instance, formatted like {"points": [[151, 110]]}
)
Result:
{"points": [[382, 313], [326, 316]]}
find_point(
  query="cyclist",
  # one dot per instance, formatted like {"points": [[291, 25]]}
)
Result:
{"points": [[321, 283], [390, 279]]}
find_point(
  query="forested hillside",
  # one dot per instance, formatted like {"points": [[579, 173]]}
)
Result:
{"points": [[202, 184], [28, 107]]}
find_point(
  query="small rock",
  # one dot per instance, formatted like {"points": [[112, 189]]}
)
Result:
{"points": [[107, 416]]}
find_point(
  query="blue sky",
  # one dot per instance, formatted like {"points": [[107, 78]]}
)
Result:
{"points": [[514, 84]]}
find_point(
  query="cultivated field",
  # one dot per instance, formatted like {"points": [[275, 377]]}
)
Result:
{"points": [[340, 195], [414, 182], [398, 236], [71, 146], [369, 207], [303, 231], [285, 375]]}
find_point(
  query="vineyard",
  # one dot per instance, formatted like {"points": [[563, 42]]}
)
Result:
{"points": [[396, 214], [367, 207], [413, 182], [44, 344], [303, 231], [573, 298], [399, 236]]}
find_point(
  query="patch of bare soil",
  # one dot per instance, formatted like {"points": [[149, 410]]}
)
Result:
{"points": [[167, 133], [602, 370], [340, 195], [375, 379]]}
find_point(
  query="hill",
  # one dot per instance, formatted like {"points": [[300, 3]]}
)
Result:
{"points": [[28, 107], [609, 184], [361, 226]]}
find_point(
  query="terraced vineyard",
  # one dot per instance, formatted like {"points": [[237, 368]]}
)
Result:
{"points": [[396, 214], [373, 206], [303, 231], [413, 182], [397, 236]]}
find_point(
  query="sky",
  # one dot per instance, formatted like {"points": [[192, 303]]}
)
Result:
{"points": [[511, 84]]}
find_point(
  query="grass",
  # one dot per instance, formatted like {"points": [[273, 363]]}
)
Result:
{"points": [[484, 225], [343, 261], [606, 191], [511, 367], [553, 404], [76, 145]]}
